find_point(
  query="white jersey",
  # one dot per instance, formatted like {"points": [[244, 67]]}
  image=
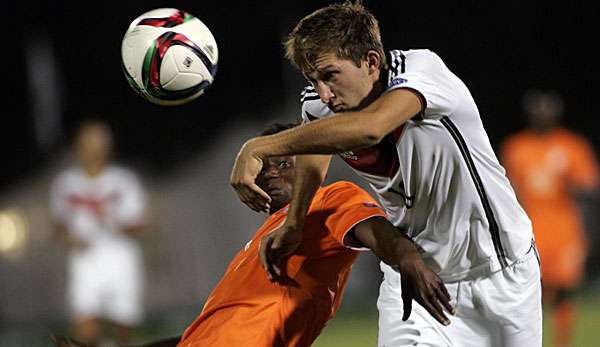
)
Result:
{"points": [[97, 209], [437, 175]]}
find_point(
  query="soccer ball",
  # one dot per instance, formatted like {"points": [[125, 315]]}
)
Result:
{"points": [[168, 56]]}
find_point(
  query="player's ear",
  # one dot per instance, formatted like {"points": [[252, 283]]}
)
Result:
{"points": [[373, 61]]}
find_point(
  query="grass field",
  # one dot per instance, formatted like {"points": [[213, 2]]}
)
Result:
{"points": [[358, 328], [354, 326]]}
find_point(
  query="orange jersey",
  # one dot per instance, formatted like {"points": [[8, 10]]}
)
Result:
{"points": [[545, 170], [246, 309]]}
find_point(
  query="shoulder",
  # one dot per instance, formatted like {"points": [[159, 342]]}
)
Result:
{"points": [[414, 60], [121, 173], [342, 191], [517, 139], [66, 176], [571, 136], [312, 106]]}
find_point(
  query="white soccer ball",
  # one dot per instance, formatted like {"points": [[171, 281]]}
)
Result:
{"points": [[169, 56]]}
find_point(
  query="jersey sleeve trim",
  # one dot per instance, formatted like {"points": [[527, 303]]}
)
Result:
{"points": [[349, 241], [418, 94]]}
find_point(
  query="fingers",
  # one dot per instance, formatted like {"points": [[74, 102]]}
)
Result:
{"points": [[433, 298], [444, 297], [434, 308], [272, 258], [253, 196], [264, 250], [407, 298]]}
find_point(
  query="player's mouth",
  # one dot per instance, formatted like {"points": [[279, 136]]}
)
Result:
{"points": [[337, 108], [274, 191]]}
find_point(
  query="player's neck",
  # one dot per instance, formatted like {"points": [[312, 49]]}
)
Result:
{"points": [[378, 89], [93, 169]]}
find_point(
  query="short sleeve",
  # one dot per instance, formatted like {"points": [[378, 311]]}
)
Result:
{"points": [[312, 106], [425, 74], [349, 205], [132, 200]]}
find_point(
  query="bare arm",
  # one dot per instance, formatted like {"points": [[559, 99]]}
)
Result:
{"points": [[342, 132], [276, 247], [335, 134], [418, 281]]}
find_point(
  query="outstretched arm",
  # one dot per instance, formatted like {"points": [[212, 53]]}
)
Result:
{"points": [[276, 247], [334, 134], [418, 281]]}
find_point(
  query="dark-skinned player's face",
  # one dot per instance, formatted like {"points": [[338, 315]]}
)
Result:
{"points": [[276, 179]]}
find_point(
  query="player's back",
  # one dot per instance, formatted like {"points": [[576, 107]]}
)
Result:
{"points": [[246, 308]]}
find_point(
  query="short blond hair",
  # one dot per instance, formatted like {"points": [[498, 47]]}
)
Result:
{"points": [[348, 30]]}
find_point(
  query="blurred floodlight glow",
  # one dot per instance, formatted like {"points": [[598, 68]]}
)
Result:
{"points": [[13, 231]]}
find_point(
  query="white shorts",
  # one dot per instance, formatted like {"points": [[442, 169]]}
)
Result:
{"points": [[107, 287], [503, 309]]}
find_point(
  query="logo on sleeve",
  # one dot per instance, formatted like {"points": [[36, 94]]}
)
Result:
{"points": [[397, 81]]}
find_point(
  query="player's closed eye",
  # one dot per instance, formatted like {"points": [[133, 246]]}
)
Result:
{"points": [[329, 76]]}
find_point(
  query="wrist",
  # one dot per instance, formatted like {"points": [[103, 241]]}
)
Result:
{"points": [[294, 224], [253, 147], [407, 253]]}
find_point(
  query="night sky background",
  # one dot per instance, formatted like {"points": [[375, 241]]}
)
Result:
{"points": [[499, 50]]}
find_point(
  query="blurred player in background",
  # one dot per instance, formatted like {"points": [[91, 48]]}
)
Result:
{"points": [[246, 309], [98, 209], [410, 127], [548, 165]]}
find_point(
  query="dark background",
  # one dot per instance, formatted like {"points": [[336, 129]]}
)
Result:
{"points": [[184, 154], [498, 50]]}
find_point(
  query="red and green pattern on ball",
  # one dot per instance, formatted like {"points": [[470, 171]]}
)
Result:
{"points": [[177, 18], [153, 60]]}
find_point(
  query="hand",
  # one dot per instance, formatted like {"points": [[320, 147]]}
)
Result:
{"points": [[275, 248], [245, 170], [424, 286]]}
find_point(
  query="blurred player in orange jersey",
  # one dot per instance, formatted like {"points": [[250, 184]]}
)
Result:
{"points": [[247, 309], [547, 165]]}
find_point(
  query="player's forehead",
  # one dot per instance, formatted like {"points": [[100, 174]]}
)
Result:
{"points": [[323, 62], [276, 160]]}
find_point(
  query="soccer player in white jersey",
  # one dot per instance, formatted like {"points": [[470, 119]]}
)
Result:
{"points": [[410, 127], [98, 209]]}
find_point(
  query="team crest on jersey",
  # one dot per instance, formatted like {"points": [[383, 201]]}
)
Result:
{"points": [[398, 81], [349, 155]]}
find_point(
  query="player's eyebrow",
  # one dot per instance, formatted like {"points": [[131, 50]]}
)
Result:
{"points": [[328, 67]]}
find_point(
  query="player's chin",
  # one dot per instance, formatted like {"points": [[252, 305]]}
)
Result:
{"points": [[278, 201]]}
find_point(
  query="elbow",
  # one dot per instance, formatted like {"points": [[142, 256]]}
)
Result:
{"points": [[372, 131], [372, 135]]}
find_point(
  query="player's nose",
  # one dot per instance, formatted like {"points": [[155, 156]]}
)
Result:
{"points": [[271, 171], [325, 92]]}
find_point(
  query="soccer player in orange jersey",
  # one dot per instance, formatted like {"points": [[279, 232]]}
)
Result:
{"points": [[247, 309], [547, 164]]}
